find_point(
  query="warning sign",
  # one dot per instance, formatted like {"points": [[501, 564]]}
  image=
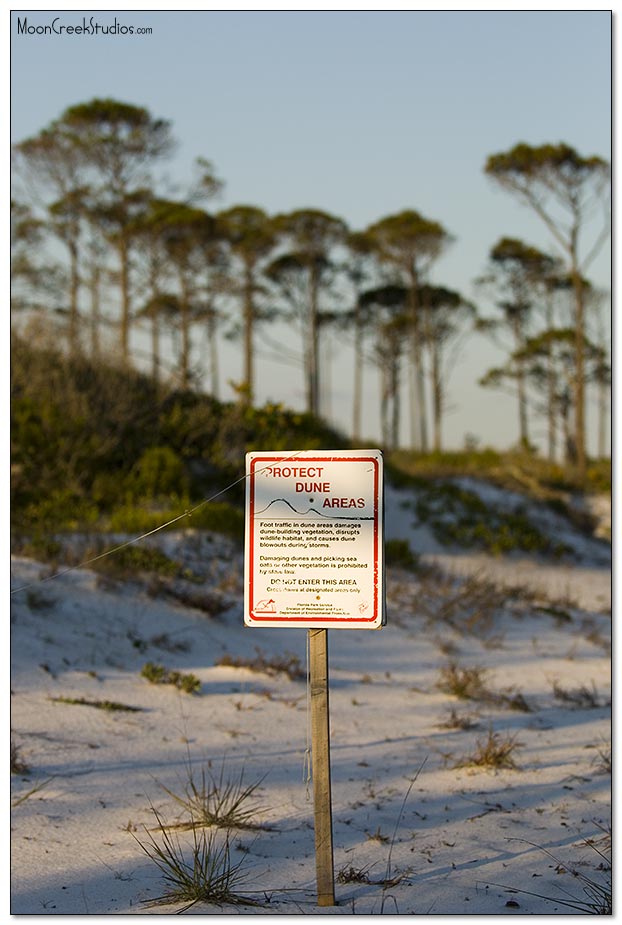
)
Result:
{"points": [[314, 539]]}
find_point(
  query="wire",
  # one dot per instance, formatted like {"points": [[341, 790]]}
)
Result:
{"points": [[137, 539]]}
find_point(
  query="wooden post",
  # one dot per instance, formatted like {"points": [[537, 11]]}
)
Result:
{"points": [[320, 764]]}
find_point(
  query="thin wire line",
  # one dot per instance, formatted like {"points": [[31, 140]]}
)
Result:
{"points": [[306, 763], [137, 539]]}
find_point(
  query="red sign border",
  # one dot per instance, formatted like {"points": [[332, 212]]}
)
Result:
{"points": [[345, 621]]}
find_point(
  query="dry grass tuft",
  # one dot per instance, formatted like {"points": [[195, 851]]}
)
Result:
{"points": [[464, 683], [353, 875], [494, 751], [267, 664], [581, 698], [462, 722], [219, 801], [18, 765], [470, 684], [201, 872]]}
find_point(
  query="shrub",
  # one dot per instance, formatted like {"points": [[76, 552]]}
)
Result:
{"points": [[159, 472], [264, 664], [158, 674], [399, 554]]}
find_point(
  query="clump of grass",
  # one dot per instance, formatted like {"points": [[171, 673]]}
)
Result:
{"points": [[267, 664], [459, 721], [110, 705], [378, 836], [474, 608], [201, 872], [464, 683], [353, 875], [18, 765], [197, 598], [581, 698], [219, 801], [37, 600], [603, 758], [457, 515], [596, 898], [158, 674], [514, 701], [559, 614], [469, 684], [495, 751]]}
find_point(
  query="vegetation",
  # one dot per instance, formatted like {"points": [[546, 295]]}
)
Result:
{"points": [[111, 706], [92, 229], [267, 664], [218, 800], [100, 447], [103, 449], [470, 684], [399, 554], [18, 765], [158, 674], [495, 751], [201, 872]]}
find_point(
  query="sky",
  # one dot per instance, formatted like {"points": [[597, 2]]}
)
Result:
{"points": [[359, 113]]}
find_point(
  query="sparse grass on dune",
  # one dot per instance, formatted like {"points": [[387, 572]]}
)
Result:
{"points": [[495, 752], [271, 665], [218, 800], [513, 470], [200, 872]]}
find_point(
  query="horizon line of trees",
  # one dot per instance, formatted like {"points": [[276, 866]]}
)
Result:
{"points": [[89, 194]]}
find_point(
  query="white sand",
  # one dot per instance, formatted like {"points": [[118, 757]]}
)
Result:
{"points": [[461, 841]]}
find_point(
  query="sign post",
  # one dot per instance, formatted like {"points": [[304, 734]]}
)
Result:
{"points": [[320, 767], [314, 559]]}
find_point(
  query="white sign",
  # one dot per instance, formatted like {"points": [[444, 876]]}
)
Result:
{"points": [[314, 539]]}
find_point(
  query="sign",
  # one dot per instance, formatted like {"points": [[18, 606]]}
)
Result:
{"points": [[314, 539]]}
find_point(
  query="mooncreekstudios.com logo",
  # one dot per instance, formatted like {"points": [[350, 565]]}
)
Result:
{"points": [[86, 27]]}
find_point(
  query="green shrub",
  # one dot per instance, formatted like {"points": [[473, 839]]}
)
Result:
{"points": [[399, 554], [158, 473], [131, 560], [158, 674], [457, 515]]}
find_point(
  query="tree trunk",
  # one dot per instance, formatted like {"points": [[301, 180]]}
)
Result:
{"points": [[184, 320], [520, 386], [550, 388], [213, 348], [418, 411], [385, 391], [395, 395], [358, 374], [437, 396], [603, 395], [249, 314], [313, 397], [125, 298], [579, 383], [155, 346], [95, 310], [74, 288]]}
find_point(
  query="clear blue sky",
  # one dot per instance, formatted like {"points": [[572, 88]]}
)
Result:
{"points": [[358, 113]]}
